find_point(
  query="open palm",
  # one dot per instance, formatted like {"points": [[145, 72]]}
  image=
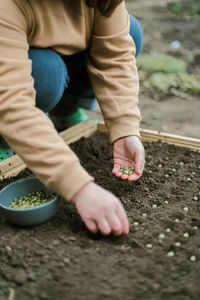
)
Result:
{"points": [[128, 151]]}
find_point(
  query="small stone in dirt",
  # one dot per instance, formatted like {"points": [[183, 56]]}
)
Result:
{"points": [[193, 258], [176, 220], [72, 238], [9, 251], [168, 230], [149, 246], [170, 254], [154, 206], [195, 227], [144, 215], [195, 198], [20, 277], [55, 243], [66, 260], [186, 234], [185, 209], [11, 294], [166, 202], [125, 248]]}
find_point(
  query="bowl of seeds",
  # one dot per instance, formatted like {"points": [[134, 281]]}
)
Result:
{"points": [[28, 202]]}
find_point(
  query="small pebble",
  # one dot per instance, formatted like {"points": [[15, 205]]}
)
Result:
{"points": [[166, 175], [161, 236], [186, 235], [20, 277], [181, 163], [185, 209], [177, 244], [193, 173], [166, 158], [149, 246], [66, 260], [166, 202], [159, 166], [9, 251], [72, 238], [189, 179], [135, 223], [193, 258], [150, 171], [154, 206], [173, 170], [177, 220], [170, 253], [168, 230], [144, 215], [195, 198]]}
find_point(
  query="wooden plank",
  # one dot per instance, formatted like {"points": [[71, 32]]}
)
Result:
{"points": [[84, 129], [181, 141], [153, 136]]}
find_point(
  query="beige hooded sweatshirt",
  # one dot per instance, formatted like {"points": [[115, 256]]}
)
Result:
{"points": [[68, 27]]}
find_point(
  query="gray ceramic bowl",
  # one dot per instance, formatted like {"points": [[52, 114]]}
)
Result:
{"points": [[30, 216]]}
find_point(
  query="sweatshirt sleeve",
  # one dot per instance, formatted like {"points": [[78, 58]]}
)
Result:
{"points": [[112, 69], [27, 129]]}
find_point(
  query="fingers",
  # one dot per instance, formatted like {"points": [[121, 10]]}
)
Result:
{"points": [[91, 225], [104, 226], [123, 219], [116, 170], [139, 162], [115, 224]]}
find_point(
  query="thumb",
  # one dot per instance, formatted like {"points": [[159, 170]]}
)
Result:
{"points": [[139, 162]]}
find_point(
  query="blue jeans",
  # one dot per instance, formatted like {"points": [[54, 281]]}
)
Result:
{"points": [[62, 83]]}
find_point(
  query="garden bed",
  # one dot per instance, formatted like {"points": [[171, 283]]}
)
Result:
{"points": [[159, 259]]}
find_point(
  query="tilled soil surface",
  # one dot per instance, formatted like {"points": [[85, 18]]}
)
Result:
{"points": [[62, 260]]}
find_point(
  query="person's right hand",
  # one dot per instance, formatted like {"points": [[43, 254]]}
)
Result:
{"points": [[100, 210]]}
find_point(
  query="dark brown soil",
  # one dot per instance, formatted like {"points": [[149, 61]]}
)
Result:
{"points": [[62, 260]]}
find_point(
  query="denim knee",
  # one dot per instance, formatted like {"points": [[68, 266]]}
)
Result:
{"points": [[50, 77], [136, 33]]}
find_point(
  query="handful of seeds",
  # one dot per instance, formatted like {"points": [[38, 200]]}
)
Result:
{"points": [[32, 200], [127, 170]]}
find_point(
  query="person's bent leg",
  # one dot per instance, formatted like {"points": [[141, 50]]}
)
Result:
{"points": [[50, 77], [79, 93], [136, 34]]}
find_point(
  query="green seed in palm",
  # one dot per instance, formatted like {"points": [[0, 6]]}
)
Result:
{"points": [[127, 170]]}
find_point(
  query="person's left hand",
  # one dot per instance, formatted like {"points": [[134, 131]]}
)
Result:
{"points": [[129, 151]]}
